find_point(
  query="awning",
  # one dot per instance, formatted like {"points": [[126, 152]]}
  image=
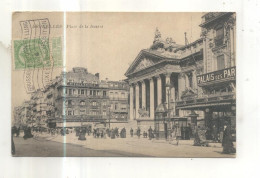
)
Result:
{"points": [[202, 106]]}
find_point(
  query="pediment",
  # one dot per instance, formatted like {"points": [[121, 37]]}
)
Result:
{"points": [[142, 62]]}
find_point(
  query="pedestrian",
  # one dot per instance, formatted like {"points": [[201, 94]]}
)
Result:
{"points": [[12, 140], [227, 143], [150, 132], [82, 135], [200, 137], [177, 134], [215, 133], [131, 132], [18, 132], [138, 132], [112, 134]]}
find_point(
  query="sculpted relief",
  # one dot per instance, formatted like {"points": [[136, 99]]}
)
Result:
{"points": [[144, 64]]}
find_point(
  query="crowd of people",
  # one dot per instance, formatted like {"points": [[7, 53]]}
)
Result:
{"points": [[176, 133]]}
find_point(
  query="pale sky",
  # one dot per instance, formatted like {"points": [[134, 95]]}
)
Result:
{"points": [[111, 49]]}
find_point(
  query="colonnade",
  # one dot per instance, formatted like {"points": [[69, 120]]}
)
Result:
{"points": [[155, 94]]}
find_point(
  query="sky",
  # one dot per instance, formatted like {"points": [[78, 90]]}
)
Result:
{"points": [[112, 47]]}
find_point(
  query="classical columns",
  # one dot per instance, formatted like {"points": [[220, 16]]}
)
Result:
{"points": [[131, 114], [159, 90], [143, 95], [136, 100], [151, 98], [167, 83]]}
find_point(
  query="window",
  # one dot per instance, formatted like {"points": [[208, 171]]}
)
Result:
{"points": [[219, 36], [66, 92], [90, 92], [69, 102], [94, 103], [78, 91], [123, 95], [104, 113], [69, 113], [104, 103], [220, 62], [74, 91], [116, 106], [82, 92], [111, 94], [70, 91], [104, 93], [94, 93], [220, 33], [82, 103], [82, 112]]}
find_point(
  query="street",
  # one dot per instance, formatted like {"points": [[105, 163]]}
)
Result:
{"points": [[58, 146]]}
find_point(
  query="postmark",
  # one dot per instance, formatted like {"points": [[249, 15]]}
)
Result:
{"points": [[37, 53]]}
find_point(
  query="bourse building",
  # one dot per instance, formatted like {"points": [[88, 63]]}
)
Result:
{"points": [[192, 84]]}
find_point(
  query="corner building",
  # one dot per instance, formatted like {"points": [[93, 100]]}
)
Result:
{"points": [[82, 99]]}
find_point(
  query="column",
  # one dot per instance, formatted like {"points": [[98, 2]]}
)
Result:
{"points": [[143, 95], [151, 98], [167, 82], [231, 48], [159, 90], [194, 79], [131, 114], [136, 100]]}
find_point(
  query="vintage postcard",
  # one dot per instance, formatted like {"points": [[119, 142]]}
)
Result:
{"points": [[124, 84]]}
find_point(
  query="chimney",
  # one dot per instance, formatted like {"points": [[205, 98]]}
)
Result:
{"points": [[97, 75]]}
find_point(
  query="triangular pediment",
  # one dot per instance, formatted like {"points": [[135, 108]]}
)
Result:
{"points": [[143, 61]]}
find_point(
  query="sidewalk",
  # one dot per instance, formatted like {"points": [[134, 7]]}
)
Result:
{"points": [[143, 146]]}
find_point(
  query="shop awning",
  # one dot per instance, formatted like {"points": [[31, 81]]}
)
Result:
{"points": [[202, 106]]}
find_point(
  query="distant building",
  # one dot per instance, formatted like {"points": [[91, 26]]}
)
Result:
{"points": [[118, 100]]}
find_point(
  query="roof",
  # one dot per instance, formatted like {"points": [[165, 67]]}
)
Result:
{"points": [[214, 17], [189, 45], [160, 55]]}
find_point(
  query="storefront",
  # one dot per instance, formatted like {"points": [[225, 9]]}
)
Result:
{"points": [[218, 102]]}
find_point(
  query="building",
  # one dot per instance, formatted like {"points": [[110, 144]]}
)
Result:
{"points": [[118, 100], [74, 99], [217, 83], [81, 99], [195, 82]]}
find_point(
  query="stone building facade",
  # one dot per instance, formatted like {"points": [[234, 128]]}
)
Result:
{"points": [[217, 82], [81, 99], [195, 82], [118, 100]]}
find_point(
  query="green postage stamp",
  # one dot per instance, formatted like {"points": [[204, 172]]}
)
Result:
{"points": [[38, 53]]}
